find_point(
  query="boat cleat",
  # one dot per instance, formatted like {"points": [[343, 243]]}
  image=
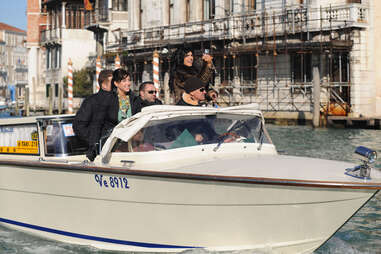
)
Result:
{"points": [[363, 170]]}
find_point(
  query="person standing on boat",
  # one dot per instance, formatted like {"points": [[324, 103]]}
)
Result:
{"points": [[194, 93], [87, 124], [147, 97], [120, 106], [184, 68]]}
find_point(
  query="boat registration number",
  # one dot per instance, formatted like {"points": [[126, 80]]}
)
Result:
{"points": [[111, 181]]}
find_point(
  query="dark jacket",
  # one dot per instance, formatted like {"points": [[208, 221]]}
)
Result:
{"points": [[185, 100], [140, 103], [88, 121], [111, 116], [183, 73]]}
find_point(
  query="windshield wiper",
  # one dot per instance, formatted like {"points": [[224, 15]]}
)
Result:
{"points": [[232, 127]]}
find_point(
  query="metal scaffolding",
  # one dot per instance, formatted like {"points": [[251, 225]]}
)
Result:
{"points": [[262, 56]]}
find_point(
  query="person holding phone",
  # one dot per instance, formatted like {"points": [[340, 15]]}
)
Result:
{"points": [[183, 68]]}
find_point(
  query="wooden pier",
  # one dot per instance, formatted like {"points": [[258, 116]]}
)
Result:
{"points": [[354, 122]]}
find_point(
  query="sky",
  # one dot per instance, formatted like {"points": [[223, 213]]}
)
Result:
{"points": [[13, 13]]}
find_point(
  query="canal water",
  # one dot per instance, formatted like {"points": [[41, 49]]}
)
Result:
{"points": [[360, 235]]}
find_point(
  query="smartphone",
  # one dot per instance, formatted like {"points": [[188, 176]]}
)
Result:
{"points": [[206, 51]]}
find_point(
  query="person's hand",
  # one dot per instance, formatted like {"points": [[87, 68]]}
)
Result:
{"points": [[207, 58], [199, 138], [91, 152]]}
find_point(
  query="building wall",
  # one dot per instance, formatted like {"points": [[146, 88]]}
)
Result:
{"points": [[276, 83], [375, 48], [35, 83], [77, 44]]}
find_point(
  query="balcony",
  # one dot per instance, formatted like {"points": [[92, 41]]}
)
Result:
{"points": [[95, 19], [21, 68], [260, 24], [52, 36]]}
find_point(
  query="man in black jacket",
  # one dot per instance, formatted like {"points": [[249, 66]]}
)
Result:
{"points": [[147, 97], [194, 93], [87, 124]]}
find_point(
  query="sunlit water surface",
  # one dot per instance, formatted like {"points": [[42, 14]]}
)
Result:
{"points": [[360, 235]]}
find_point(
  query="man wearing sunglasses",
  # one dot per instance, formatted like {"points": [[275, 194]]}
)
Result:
{"points": [[147, 97], [194, 93]]}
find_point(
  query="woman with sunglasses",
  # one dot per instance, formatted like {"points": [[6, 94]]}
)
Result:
{"points": [[147, 97], [183, 68]]}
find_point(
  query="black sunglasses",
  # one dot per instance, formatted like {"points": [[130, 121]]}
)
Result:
{"points": [[151, 92], [202, 89]]}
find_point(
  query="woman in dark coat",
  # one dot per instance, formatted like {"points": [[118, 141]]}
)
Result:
{"points": [[184, 69], [121, 102]]}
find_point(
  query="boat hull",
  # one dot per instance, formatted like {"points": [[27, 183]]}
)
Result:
{"points": [[148, 213]]}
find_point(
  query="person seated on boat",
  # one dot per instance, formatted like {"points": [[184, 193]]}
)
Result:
{"points": [[211, 97], [147, 97], [87, 124], [138, 143], [121, 103], [194, 93]]}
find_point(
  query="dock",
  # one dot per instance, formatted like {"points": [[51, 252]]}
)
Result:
{"points": [[305, 118], [354, 122]]}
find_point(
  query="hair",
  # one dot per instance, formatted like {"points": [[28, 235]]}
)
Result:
{"points": [[118, 75], [143, 85], [103, 75], [180, 55], [177, 60]]}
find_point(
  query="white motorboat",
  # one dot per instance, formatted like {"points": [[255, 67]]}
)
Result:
{"points": [[173, 178]]}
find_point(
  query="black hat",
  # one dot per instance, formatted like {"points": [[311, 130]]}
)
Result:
{"points": [[192, 84]]}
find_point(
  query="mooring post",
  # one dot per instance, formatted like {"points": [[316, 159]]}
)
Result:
{"points": [[26, 102], [316, 97]]}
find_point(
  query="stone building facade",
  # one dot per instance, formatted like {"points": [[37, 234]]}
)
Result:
{"points": [[264, 50], [56, 33], [13, 62]]}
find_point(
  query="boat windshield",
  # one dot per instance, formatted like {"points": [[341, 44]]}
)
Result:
{"points": [[195, 130], [60, 139]]}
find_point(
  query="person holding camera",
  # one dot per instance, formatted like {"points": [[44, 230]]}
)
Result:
{"points": [[184, 68]]}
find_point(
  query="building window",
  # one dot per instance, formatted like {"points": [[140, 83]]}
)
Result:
{"points": [[187, 11], [48, 58], [247, 70], [231, 6], [47, 92], [301, 67], [74, 18], [120, 5], [251, 5], [56, 88], [340, 67], [103, 10], [209, 9], [171, 15]]}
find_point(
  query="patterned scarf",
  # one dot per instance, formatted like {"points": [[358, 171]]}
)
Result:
{"points": [[124, 108]]}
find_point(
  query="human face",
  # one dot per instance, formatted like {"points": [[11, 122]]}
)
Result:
{"points": [[149, 93], [199, 94], [188, 59], [123, 86], [213, 96], [106, 84]]}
